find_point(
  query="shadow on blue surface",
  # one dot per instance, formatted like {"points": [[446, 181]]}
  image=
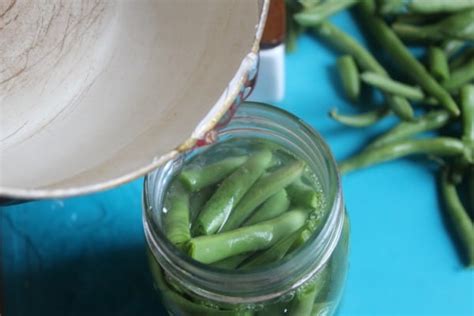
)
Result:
{"points": [[109, 283]]}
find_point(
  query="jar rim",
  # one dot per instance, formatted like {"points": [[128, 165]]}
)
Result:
{"points": [[324, 242]]}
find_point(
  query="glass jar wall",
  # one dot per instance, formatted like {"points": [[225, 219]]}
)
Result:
{"points": [[307, 281]]}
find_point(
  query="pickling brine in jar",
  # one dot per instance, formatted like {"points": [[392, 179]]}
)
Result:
{"points": [[253, 224]]}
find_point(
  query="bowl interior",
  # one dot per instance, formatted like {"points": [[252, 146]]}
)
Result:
{"points": [[94, 93]]}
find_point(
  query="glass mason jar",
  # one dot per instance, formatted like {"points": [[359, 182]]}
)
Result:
{"points": [[310, 282]]}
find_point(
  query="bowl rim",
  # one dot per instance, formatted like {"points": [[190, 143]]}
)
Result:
{"points": [[217, 111]]}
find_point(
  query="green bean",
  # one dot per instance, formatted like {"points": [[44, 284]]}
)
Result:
{"points": [[414, 33], [467, 107], [387, 7], [197, 177], [458, 217], [305, 296], [275, 309], [311, 228], [349, 76], [198, 200], [346, 44], [403, 130], [470, 185], [275, 162], [293, 29], [304, 195], [462, 58], [366, 61], [209, 249], [452, 47], [457, 26], [308, 4], [424, 6], [388, 40], [229, 193], [414, 18], [271, 208], [460, 76], [319, 13], [231, 263], [458, 168], [438, 63], [439, 146], [400, 106], [179, 305], [392, 86], [176, 219], [265, 187], [360, 120], [274, 253]]}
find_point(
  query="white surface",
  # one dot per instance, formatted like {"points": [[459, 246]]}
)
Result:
{"points": [[270, 85]]}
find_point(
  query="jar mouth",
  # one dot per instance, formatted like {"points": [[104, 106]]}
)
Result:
{"points": [[263, 283]]}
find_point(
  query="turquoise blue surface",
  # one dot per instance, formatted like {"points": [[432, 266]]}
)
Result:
{"points": [[85, 255]]}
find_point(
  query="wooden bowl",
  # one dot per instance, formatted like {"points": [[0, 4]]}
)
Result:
{"points": [[96, 93]]}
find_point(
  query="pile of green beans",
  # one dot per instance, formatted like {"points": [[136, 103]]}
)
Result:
{"points": [[438, 87], [244, 204]]}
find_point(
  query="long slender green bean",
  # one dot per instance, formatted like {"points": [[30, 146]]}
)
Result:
{"points": [[212, 248], [452, 47], [320, 12], [462, 58], [403, 130], [346, 44], [293, 29], [178, 304], [366, 61], [414, 18], [392, 86], [271, 208], [439, 146], [265, 187], [415, 33], [349, 76], [276, 309], [432, 6], [389, 7], [438, 63], [457, 26], [197, 177], [470, 185], [305, 297], [461, 223], [198, 200], [312, 227], [274, 253], [231, 263], [424, 6], [360, 120], [388, 40], [304, 195], [229, 193], [460, 76], [400, 106], [176, 219], [467, 107]]}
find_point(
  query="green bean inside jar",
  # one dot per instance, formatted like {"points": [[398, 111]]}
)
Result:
{"points": [[253, 224]]}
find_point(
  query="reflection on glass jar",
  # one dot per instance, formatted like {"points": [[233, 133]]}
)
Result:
{"points": [[296, 261]]}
